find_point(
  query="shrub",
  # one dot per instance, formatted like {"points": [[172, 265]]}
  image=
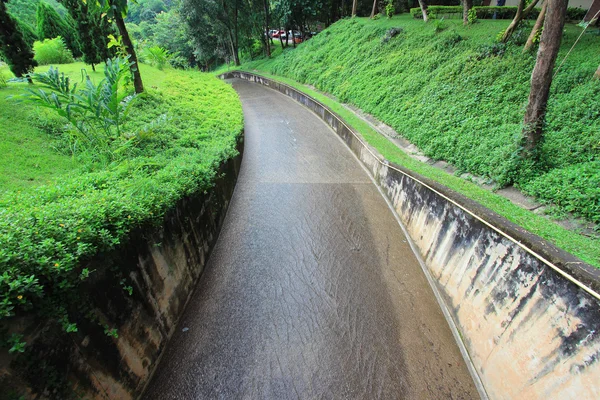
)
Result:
{"points": [[472, 17], [156, 56], [52, 51], [96, 112], [390, 9]]}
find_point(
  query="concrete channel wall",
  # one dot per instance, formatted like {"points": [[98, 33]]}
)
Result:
{"points": [[161, 268], [527, 313]]}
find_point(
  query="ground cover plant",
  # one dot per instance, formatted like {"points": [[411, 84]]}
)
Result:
{"points": [[187, 124], [460, 97]]}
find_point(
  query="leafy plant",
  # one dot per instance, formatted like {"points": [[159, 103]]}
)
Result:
{"points": [[156, 56], [97, 112], [390, 10], [472, 16], [439, 25], [52, 51]]}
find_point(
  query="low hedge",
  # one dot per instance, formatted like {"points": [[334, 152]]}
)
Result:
{"points": [[47, 233], [487, 12]]}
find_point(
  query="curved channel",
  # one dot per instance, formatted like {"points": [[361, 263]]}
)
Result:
{"points": [[312, 290]]}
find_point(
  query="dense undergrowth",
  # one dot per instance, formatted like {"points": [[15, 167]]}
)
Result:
{"points": [[48, 229], [460, 96]]}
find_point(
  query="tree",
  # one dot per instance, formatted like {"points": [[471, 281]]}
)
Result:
{"points": [[539, 22], [467, 5], [597, 74], [423, 6], [117, 10], [519, 16], [354, 4], [93, 30], [541, 78], [374, 9], [13, 46], [51, 25], [27, 31]]}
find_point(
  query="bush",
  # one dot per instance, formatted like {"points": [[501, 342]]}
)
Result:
{"points": [[96, 112], [52, 51], [390, 9], [156, 56]]}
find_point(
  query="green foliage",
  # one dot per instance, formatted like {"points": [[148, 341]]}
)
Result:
{"points": [[3, 77], [390, 10], [46, 232], [488, 12], [13, 46], [439, 25], [96, 112], [93, 30], [472, 16], [156, 56], [458, 100], [25, 10], [51, 25], [28, 33], [573, 189], [52, 51]]}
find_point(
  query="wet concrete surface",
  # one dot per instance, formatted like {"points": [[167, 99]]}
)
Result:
{"points": [[312, 291]]}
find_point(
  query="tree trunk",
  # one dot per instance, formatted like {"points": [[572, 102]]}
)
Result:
{"points": [[93, 67], [135, 70], [597, 74], [268, 48], [281, 41], [539, 22], [374, 8], [467, 5], [518, 18], [541, 78], [236, 55], [423, 6], [354, 8]]}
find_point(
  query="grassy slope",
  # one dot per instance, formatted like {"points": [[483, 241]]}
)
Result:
{"points": [[46, 230], [353, 64]]}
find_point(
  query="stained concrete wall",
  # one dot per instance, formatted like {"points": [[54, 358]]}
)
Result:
{"points": [[527, 312], [162, 266]]}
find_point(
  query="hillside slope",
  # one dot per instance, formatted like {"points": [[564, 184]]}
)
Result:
{"points": [[461, 98]]}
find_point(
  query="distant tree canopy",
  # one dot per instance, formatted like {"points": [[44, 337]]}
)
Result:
{"points": [[51, 25], [13, 47]]}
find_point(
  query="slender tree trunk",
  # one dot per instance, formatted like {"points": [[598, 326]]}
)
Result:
{"points": [[281, 41], [374, 8], [597, 74], [93, 67], [539, 22], [467, 5], [521, 13], [293, 39], [541, 78], [354, 8], [236, 54], [135, 70], [266, 6], [423, 6]]}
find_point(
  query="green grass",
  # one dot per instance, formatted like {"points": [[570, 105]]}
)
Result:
{"points": [[473, 122], [47, 230]]}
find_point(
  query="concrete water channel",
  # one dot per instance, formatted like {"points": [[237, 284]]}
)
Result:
{"points": [[312, 290]]}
